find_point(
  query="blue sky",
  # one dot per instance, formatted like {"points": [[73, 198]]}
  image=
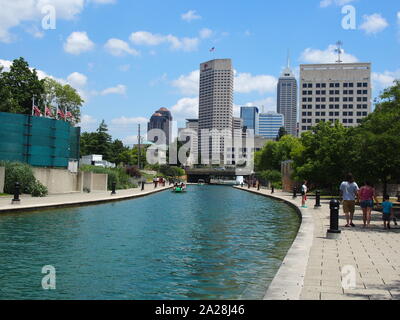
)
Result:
{"points": [[129, 58]]}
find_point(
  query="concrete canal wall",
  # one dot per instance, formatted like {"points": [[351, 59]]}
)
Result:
{"points": [[2, 177], [59, 181]]}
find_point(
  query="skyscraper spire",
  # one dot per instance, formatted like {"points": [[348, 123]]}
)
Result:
{"points": [[288, 59]]}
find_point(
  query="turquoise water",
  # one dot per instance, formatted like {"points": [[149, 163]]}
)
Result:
{"points": [[210, 243]]}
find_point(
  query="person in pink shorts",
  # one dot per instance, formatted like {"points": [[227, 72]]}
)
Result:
{"points": [[367, 195]]}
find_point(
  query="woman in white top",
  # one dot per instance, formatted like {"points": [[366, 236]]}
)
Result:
{"points": [[304, 191]]}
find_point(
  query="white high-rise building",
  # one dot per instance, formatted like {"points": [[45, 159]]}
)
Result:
{"points": [[215, 105], [334, 92]]}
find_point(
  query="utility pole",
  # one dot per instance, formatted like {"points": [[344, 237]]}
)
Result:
{"points": [[139, 151]]}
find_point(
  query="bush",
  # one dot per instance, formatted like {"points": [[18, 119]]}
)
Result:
{"points": [[22, 173], [38, 190], [18, 172]]}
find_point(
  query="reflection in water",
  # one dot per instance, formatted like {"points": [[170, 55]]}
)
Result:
{"points": [[210, 243]]}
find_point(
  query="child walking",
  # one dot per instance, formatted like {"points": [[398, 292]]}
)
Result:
{"points": [[387, 211]]}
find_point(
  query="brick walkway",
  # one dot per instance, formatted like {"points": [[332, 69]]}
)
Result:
{"points": [[372, 255]]}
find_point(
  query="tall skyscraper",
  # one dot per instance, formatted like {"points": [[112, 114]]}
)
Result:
{"points": [[215, 103], [330, 92], [249, 115], [161, 119], [287, 100], [269, 124]]}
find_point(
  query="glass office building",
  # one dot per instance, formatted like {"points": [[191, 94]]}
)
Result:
{"points": [[249, 115], [269, 124]]}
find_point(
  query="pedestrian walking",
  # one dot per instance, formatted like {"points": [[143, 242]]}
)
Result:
{"points": [[349, 191], [367, 195], [387, 212], [304, 191]]}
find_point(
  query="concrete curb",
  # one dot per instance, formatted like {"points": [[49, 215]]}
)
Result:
{"points": [[78, 203], [289, 280]]}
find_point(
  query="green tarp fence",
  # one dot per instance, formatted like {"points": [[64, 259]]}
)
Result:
{"points": [[38, 141]]}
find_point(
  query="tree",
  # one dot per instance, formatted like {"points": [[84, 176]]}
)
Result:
{"points": [[19, 86], [282, 133], [324, 157], [63, 96], [376, 141], [98, 142], [274, 152], [117, 150]]}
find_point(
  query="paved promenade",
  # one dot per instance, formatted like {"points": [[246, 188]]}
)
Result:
{"points": [[369, 256], [74, 199]]}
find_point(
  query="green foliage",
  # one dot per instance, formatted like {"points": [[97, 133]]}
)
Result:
{"points": [[38, 190], [369, 151], [117, 175], [272, 176], [18, 86], [22, 173], [274, 152], [324, 157], [171, 171], [376, 141], [17, 172], [66, 97], [282, 133], [100, 142]]}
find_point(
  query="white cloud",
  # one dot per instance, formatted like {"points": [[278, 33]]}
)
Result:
{"points": [[124, 121], [185, 108], [328, 55], [246, 83], [264, 105], [150, 39], [205, 33], [119, 48], [119, 89], [327, 3], [15, 12], [77, 80], [385, 79], [88, 123], [78, 42], [374, 23], [188, 84], [190, 16]]}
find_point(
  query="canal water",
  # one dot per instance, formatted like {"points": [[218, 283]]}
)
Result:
{"points": [[210, 243]]}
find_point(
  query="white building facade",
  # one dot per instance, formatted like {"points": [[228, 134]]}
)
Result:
{"points": [[334, 92]]}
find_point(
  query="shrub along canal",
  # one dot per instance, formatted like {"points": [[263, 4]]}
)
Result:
{"points": [[209, 243]]}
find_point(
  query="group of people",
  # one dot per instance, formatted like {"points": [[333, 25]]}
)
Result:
{"points": [[159, 182], [366, 195]]}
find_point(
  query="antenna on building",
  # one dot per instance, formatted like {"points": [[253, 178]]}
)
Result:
{"points": [[339, 50], [288, 59], [263, 108]]}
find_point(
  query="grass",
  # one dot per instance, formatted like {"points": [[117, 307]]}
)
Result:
{"points": [[4, 194]]}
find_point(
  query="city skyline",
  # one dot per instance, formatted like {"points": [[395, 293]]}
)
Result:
{"points": [[127, 70]]}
